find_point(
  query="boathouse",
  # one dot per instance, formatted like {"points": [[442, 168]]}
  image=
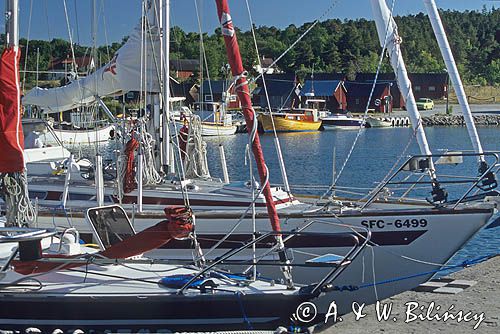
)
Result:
{"points": [[332, 91], [183, 69], [431, 85], [359, 92], [388, 79], [282, 88]]}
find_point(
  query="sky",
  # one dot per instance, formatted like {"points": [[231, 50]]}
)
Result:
{"points": [[117, 17]]}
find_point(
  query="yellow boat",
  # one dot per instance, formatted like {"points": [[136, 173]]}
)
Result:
{"points": [[295, 120]]}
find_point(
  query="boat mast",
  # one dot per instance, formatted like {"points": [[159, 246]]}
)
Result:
{"points": [[451, 67], [18, 209], [12, 23], [241, 88], [390, 40], [165, 20]]}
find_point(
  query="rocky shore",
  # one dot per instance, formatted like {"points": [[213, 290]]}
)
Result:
{"points": [[458, 120]]}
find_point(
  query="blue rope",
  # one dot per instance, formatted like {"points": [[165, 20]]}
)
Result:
{"points": [[243, 311], [466, 263]]}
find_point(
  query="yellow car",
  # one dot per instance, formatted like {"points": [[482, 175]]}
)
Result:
{"points": [[425, 104]]}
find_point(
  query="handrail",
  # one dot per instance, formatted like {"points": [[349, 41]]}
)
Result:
{"points": [[326, 279], [475, 181]]}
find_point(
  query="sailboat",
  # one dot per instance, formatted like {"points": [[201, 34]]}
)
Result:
{"points": [[410, 240], [52, 283], [126, 72]]}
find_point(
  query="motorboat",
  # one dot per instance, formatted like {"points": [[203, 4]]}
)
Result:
{"points": [[378, 122], [290, 120], [342, 121]]}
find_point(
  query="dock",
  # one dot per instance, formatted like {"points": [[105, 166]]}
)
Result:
{"points": [[474, 290]]}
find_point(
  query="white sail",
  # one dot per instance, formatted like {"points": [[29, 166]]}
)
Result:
{"points": [[122, 74]]}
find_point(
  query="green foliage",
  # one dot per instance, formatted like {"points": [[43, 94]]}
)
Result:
{"points": [[348, 47]]}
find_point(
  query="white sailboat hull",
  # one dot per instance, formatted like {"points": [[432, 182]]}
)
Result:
{"points": [[410, 245]]}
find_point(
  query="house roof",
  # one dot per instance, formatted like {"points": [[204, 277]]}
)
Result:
{"points": [[358, 89], [217, 86], [266, 62], [326, 76], [291, 77], [320, 87], [427, 78], [58, 63], [276, 87], [185, 64], [415, 78]]}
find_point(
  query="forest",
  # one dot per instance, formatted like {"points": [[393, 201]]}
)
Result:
{"points": [[334, 46]]}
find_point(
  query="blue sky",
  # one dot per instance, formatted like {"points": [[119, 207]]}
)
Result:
{"points": [[118, 16]]}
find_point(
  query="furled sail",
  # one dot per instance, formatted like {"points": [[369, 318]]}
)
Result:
{"points": [[134, 67], [11, 132]]}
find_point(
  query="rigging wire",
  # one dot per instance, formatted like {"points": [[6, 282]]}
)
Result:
{"points": [[318, 20], [74, 66], [204, 61], [276, 140], [27, 44], [76, 23], [351, 150]]}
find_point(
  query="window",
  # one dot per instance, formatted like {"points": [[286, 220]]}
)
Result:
{"points": [[208, 98], [232, 98], [417, 88], [432, 88], [357, 101]]}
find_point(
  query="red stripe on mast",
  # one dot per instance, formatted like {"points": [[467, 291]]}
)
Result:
{"points": [[234, 57]]}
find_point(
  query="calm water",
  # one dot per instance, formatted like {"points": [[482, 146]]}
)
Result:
{"points": [[309, 160]]}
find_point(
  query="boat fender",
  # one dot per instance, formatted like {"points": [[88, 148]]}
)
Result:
{"points": [[183, 139], [129, 182]]}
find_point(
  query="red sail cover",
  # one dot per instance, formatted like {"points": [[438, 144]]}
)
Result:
{"points": [[234, 57], [178, 225], [11, 130]]}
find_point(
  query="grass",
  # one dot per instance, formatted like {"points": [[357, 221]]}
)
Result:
{"points": [[477, 95]]}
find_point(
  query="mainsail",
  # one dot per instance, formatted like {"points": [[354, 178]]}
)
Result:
{"points": [[134, 67]]}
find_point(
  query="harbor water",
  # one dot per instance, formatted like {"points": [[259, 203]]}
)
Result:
{"points": [[309, 161]]}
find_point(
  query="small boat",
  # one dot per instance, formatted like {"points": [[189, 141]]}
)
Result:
{"points": [[291, 120], [215, 121], [73, 137], [377, 122], [342, 121]]}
